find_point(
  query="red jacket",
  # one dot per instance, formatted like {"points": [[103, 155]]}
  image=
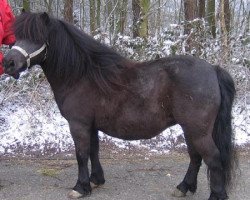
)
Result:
{"points": [[6, 20]]}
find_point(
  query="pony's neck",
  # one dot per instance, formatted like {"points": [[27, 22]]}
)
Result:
{"points": [[55, 82]]}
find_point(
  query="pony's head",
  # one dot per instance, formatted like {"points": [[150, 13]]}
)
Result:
{"points": [[65, 52], [31, 33]]}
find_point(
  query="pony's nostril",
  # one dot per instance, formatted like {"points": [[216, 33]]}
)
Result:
{"points": [[11, 63]]}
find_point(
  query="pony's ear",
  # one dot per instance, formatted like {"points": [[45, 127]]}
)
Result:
{"points": [[45, 18]]}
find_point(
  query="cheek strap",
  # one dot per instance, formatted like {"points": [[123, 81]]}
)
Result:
{"points": [[29, 56]]}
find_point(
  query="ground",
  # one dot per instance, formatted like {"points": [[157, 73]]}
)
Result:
{"points": [[129, 176]]}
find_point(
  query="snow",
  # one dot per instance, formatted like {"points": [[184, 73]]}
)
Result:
{"points": [[32, 131], [242, 124]]}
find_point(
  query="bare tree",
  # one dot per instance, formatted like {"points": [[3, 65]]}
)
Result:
{"points": [[92, 16], [98, 13], [140, 18], [136, 17], [211, 16], [82, 14], [111, 5], [145, 4], [190, 13], [158, 18], [26, 5], [227, 15], [201, 8], [247, 28], [68, 11], [48, 4], [225, 26], [122, 12]]}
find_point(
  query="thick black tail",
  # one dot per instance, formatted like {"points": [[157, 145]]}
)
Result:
{"points": [[222, 134]]}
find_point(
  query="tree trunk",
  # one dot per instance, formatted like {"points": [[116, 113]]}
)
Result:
{"points": [[26, 5], [158, 19], [123, 16], [227, 15], [98, 14], [140, 18], [68, 11], [92, 16], [224, 31], [143, 29], [136, 17], [82, 14], [202, 6], [211, 16], [111, 20], [247, 29], [190, 11], [190, 14], [48, 4]]}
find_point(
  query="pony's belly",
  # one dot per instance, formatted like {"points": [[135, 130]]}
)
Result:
{"points": [[134, 131], [132, 135], [134, 123]]}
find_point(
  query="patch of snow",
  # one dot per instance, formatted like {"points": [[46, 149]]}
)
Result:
{"points": [[28, 130]]}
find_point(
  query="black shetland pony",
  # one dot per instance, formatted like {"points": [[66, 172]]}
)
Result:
{"points": [[96, 89]]}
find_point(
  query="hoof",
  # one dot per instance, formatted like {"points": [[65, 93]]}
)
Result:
{"points": [[178, 193], [74, 195], [93, 186]]}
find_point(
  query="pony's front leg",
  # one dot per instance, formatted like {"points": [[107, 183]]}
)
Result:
{"points": [[97, 175], [81, 135]]}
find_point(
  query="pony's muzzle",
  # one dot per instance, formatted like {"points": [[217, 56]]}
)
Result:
{"points": [[8, 65], [10, 68], [11, 64]]}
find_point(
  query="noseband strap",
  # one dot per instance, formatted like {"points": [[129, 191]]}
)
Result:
{"points": [[29, 56]]}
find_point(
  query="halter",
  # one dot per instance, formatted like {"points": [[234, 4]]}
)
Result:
{"points": [[32, 55]]}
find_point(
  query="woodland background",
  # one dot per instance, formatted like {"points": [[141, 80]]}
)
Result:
{"points": [[215, 30]]}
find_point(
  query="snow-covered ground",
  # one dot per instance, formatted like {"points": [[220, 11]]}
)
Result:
{"points": [[31, 124]]}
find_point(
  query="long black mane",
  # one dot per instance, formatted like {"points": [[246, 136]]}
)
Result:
{"points": [[72, 54]]}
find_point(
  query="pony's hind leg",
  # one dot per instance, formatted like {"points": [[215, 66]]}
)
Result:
{"points": [[211, 156], [201, 146], [189, 182], [97, 175]]}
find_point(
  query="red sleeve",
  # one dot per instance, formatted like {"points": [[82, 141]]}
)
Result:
{"points": [[1, 30], [1, 38], [1, 67], [8, 20]]}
